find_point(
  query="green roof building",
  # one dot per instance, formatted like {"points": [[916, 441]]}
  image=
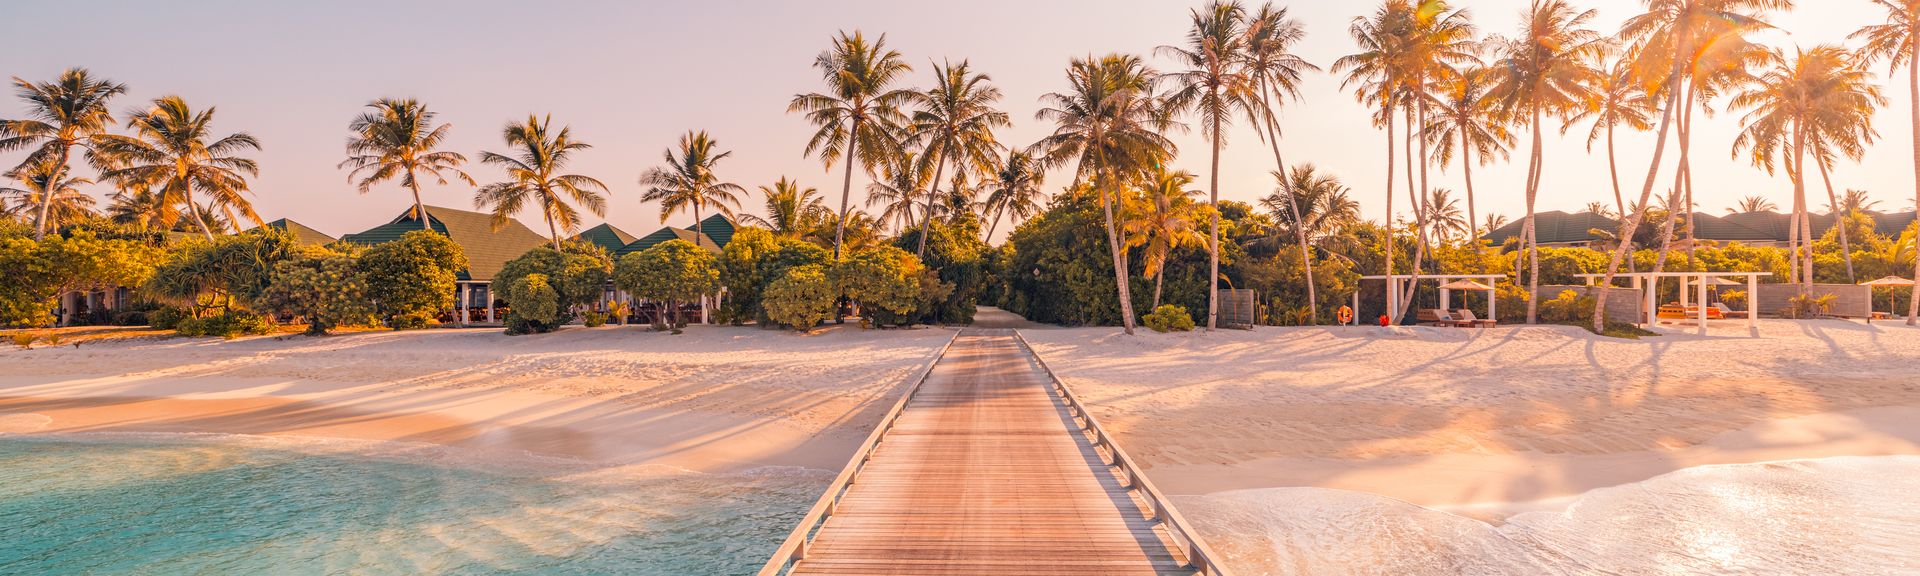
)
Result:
{"points": [[717, 227], [606, 236], [1557, 228], [302, 233], [488, 250], [669, 233]]}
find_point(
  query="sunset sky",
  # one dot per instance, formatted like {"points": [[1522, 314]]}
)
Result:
{"points": [[631, 77]]}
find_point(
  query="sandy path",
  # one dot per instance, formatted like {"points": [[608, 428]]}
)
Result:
{"points": [[1448, 417], [715, 398]]}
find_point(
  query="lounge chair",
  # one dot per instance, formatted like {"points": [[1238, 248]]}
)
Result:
{"points": [[1438, 317], [1466, 316], [1726, 312]]}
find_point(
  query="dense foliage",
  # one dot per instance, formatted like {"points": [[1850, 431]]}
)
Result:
{"points": [[327, 288], [543, 287], [672, 272], [884, 280], [801, 298], [413, 278]]}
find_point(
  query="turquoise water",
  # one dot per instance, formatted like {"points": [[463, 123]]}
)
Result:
{"points": [[230, 505]]}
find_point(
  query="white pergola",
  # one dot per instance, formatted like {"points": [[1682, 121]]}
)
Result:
{"points": [[1398, 283], [1649, 282]]}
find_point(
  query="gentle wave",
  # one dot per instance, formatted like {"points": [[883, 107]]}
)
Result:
{"points": [[219, 504], [1853, 515]]}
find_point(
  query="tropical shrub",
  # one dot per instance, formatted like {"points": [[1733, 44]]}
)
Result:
{"points": [[739, 266], [884, 280], [801, 298], [38, 272], [960, 262], [671, 272], [413, 278], [227, 324], [325, 287], [568, 279], [1734, 298], [1168, 318], [1568, 307], [166, 318], [593, 319], [1805, 306]]}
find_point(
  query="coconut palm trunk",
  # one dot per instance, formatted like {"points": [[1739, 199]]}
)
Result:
{"points": [[46, 199], [1107, 200], [1674, 196], [1473, 222], [419, 207], [1392, 283], [1631, 223], [1293, 203], [1913, 83], [1534, 169], [846, 189], [1619, 201], [1839, 219], [1213, 248], [933, 191]]}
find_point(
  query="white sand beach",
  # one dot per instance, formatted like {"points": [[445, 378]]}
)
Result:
{"points": [[1486, 422], [712, 399]]}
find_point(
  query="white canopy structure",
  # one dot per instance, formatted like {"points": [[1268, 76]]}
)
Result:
{"points": [[1398, 284], [1649, 282]]}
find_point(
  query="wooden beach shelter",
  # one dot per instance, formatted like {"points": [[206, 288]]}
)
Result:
{"points": [[1649, 284], [1888, 282], [1398, 286]]}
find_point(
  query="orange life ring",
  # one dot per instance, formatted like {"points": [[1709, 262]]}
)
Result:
{"points": [[1346, 315]]}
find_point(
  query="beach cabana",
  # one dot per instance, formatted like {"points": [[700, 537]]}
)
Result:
{"points": [[1695, 283], [488, 250], [1888, 282], [1399, 284]]}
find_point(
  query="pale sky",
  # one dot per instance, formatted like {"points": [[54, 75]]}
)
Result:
{"points": [[630, 77]]}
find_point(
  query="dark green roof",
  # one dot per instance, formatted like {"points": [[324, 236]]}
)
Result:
{"points": [[663, 235], [607, 236], [1556, 227], [717, 227], [1750, 227], [1562, 228], [301, 233], [487, 249]]}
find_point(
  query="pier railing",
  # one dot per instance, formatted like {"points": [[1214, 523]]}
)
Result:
{"points": [[794, 548], [1199, 555]]}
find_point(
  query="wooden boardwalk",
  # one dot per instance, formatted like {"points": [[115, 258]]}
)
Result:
{"points": [[988, 469]]}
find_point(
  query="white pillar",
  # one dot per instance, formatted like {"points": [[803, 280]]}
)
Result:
{"points": [[1753, 311], [490, 297], [1356, 307], [460, 307], [1446, 299], [1393, 300], [1684, 299], [1703, 305], [1493, 297], [1653, 304]]}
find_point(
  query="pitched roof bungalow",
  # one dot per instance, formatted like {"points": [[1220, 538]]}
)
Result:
{"points": [[669, 233], [718, 227], [1556, 228], [302, 233], [487, 249], [606, 236]]}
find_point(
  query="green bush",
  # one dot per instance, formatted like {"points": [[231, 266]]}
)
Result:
{"points": [[568, 278], [535, 305], [886, 281], [593, 319], [1734, 298], [1169, 318], [412, 278], [229, 324], [166, 318], [411, 321], [670, 272], [1569, 308], [324, 287], [1806, 306], [801, 298]]}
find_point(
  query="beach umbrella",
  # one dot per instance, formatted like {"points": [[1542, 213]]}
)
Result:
{"points": [[1466, 285], [1718, 281], [1888, 282]]}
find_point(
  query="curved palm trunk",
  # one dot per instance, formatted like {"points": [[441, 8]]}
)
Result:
{"points": [[1417, 196], [1213, 249], [1629, 224], [1805, 221], [1473, 220], [998, 212], [846, 189], [933, 191], [1619, 201], [1839, 220], [699, 225], [1113, 243], [1293, 203], [1533, 241], [1388, 310], [419, 208], [185, 182], [553, 230], [1913, 81], [46, 198], [1679, 184], [1686, 177]]}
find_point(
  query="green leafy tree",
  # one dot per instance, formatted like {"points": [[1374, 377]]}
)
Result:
{"points": [[672, 272], [801, 298], [571, 277], [740, 271], [885, 281], [325, 287], [227, 273], [958, 270], [413, 278], [38, 273]]}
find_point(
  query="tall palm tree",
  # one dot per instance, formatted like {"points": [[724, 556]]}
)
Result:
{"points": [[1826, 149], [173, 151], [533, 167], [687, 182], [1375, 75], [1216, 86], [1543, 70], [1494, 222], [1822, 93], [1015, 190], [1271, 37], [1443, 214], [1467, 121], [860, 112], [1438, 40], [791, 209], [1898, 41], [1668, 28], [1164, 220], [904, 179], [1321, 206], [1854, 202], [47, 193], [1618, 99], [1600, 209], [1108, 123], [67, 112], [397, 139], [1753, 204], [955, 124]]}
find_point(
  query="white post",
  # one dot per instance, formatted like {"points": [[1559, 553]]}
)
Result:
{"points": [[1753, 312], [1684, 300], [1492, 297], [460, 308], [1653, 305], [1446, 299], [490, 298], [1356, 307], [1703, 305]]}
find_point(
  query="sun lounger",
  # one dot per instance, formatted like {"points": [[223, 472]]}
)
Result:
{"points": [[1725, 312], [1443, 318], [1464, 315]]}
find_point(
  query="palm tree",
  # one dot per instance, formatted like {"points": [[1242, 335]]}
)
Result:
{"points": [[859, 114], [688, 183], [791, 210], [955, 124], [1108, 124], [1375, 75], [1163, 221], [1822, 94], [1669, 28], [1854, 202], [142, 208], [1276, 71], [47, 193], [174, 152], [1443, 214], [1468, 121], [67, 112], [1215, 86], [1494, 222], [397, 139], [1438, 40], [1543, 70], [1320, 207], [533, 176], [1753, 204], [904, 179], [1014, 190], [1898, 41], [1618, 99]]}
